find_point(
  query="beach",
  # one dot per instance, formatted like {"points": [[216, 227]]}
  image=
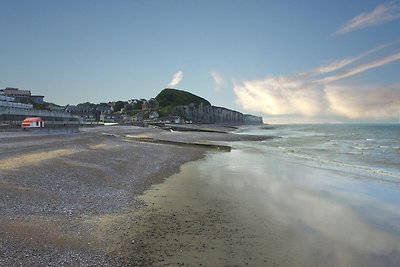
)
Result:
{"points": [[74, 199], [199, 196]]}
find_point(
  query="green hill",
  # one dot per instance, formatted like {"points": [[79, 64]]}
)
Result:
{"points": [[169, 98]]}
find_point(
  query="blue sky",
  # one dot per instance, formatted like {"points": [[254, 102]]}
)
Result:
{"points": [[260, 57]]}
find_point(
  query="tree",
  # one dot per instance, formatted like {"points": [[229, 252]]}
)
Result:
{"points": [[118, 106]]}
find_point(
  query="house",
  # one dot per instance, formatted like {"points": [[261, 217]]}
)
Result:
{"points": [[24, 96], [154, 115], [145, 105], [18, 95], [139, 116], [125, 118], [152, 104], [32, 122], [171, 119], [107, 118], [85, 113]]}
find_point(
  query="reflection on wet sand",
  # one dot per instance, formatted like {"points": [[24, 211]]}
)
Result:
{"points": [[323, 216]]}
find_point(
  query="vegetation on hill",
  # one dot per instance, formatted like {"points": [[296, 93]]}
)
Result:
{"points": [[169, 98]]}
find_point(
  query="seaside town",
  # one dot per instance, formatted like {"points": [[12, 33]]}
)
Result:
{"points": [[17, 105], [14, 101]]}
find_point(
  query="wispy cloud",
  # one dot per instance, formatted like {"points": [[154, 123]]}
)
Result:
{"points": [[219, 81], [381, 14], [339, 64], [176, 79], [361, 68], [307, 94]]}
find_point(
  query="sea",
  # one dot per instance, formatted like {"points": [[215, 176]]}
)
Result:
{"points": [[333, 190], [369, 149]]}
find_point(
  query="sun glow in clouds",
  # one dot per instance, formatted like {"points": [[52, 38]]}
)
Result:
{"points": [[308, 94]]}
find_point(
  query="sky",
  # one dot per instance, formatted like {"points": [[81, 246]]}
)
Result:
{"points": [[287, 61]]}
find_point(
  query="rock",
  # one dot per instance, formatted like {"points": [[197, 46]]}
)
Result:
{"points": [[213, 114]]}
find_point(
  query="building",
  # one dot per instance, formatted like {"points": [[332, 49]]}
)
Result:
{"points": [[154, 115], [9, 102], [139, 116], [103, 110], [145, 105], [13, 113], [79, 110], [22, 95], [152, 104], [107, 118], [85, 113], [32, 122], [18, 95], [37, 99], [171, 119]]}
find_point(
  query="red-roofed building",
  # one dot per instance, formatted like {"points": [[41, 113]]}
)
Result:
{"points": [[32, 122]]}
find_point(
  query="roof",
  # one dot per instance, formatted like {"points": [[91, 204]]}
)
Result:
{"points": [[16, 91], [32, 119]]}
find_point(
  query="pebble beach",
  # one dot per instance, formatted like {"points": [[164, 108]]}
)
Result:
{"points": [[80, 199]]}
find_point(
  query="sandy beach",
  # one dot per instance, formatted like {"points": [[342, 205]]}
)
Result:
{"points": [[91, 198]]}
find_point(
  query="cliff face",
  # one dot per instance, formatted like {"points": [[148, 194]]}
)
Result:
{"points": [[211, 114]]}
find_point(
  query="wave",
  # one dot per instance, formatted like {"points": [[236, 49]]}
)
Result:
{"points": [[362, 147], [330, 163]]}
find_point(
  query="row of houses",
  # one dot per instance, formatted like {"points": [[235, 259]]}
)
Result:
{"points": [[87, 116], [124, 112], [116, 111]]}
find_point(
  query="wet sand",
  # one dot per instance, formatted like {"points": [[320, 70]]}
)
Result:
{"points": [[195, 223], [249, 209], [77, 199]]}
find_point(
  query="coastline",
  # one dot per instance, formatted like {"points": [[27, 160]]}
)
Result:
{"points": [[252, 208], [71, 199], [129, 196]]}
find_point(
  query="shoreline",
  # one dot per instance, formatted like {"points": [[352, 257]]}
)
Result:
{"points": [[62, 194], [128, 196], [190, 222], [246, 208]]}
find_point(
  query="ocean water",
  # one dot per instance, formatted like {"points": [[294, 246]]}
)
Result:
{"points": [[332, 191], [372, 150]]}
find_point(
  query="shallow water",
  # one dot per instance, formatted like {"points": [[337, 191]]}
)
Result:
{"points": [[327, 214], [331, 216]]}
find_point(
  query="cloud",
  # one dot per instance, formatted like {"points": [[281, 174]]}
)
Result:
{"points": [[361, 68], [339, 64], [381, 14], [219, 81], [176, 79], [307, 94], [364, 102], [280, 96]]}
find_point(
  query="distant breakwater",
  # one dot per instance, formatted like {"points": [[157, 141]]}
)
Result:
{"points": [[215, 115]]}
